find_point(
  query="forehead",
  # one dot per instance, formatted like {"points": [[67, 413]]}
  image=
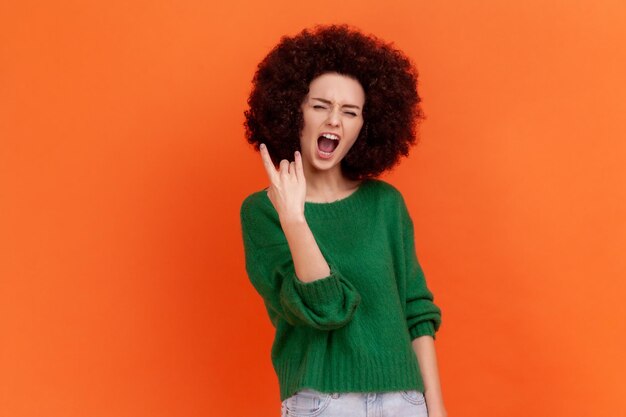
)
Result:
{"points": [[338, 88]]}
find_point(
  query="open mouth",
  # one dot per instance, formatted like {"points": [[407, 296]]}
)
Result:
{"points": [[326, 145]]}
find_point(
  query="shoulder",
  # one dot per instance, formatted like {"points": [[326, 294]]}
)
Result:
{"points": [[253, 200], [257, 204], [259, 218], [388, 191], [393, 201]]}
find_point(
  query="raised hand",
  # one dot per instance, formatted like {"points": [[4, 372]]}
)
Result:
{"points": [[287, 190]]}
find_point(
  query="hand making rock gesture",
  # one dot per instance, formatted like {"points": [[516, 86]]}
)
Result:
{"points": [[287, 190]]}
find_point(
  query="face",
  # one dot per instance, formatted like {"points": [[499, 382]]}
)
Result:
{"points": [[334, 105]]}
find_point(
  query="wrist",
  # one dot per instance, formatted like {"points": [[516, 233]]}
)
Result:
{"points": [[292, 218]]}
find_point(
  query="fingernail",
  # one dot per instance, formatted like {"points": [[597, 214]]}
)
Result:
{"points": [[262, 146], [297, 153]]}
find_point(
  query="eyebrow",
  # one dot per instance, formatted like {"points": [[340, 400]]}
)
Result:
{"points": [[328, 102]]}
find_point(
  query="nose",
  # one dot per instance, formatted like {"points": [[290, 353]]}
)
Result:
{"points": [[333, 117]]}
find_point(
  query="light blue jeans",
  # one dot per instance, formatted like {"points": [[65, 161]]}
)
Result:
{"points": [[312, 403]]}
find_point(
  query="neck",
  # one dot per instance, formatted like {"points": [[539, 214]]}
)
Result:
{"points": [[326, 184]]}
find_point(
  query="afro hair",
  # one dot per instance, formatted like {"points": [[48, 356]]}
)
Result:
{"points": [[391, 112]]}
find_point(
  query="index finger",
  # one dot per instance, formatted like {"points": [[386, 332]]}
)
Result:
{"points": [[299, 168], [267, 162]]}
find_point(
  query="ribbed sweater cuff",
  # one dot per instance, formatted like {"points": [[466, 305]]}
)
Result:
{"points": [[323, 291], [422, 329]]}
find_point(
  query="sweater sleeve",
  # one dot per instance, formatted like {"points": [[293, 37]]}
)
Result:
{"points": [[324, 304], [422, 315]]}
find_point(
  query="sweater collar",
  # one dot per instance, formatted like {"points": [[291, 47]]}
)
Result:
{"points": [[343, 207]]}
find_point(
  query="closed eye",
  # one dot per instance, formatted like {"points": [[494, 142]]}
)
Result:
{"points": [[322, 107]]}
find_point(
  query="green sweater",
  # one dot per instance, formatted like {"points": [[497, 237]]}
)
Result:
{"points": [[352, 330]]}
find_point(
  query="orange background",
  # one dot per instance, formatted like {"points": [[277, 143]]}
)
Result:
{"points": [[123, 166]]}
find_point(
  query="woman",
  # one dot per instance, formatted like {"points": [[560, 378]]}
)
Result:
{"points": [[328, 246]]}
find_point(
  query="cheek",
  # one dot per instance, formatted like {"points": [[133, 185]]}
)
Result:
{"points": [[307, 123], [357, 131], [350, 145]]}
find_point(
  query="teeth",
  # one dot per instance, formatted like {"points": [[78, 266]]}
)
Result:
{"points": [[330, 136]]}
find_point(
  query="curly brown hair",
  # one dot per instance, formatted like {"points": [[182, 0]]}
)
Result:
{"points": [[391, 112]]}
